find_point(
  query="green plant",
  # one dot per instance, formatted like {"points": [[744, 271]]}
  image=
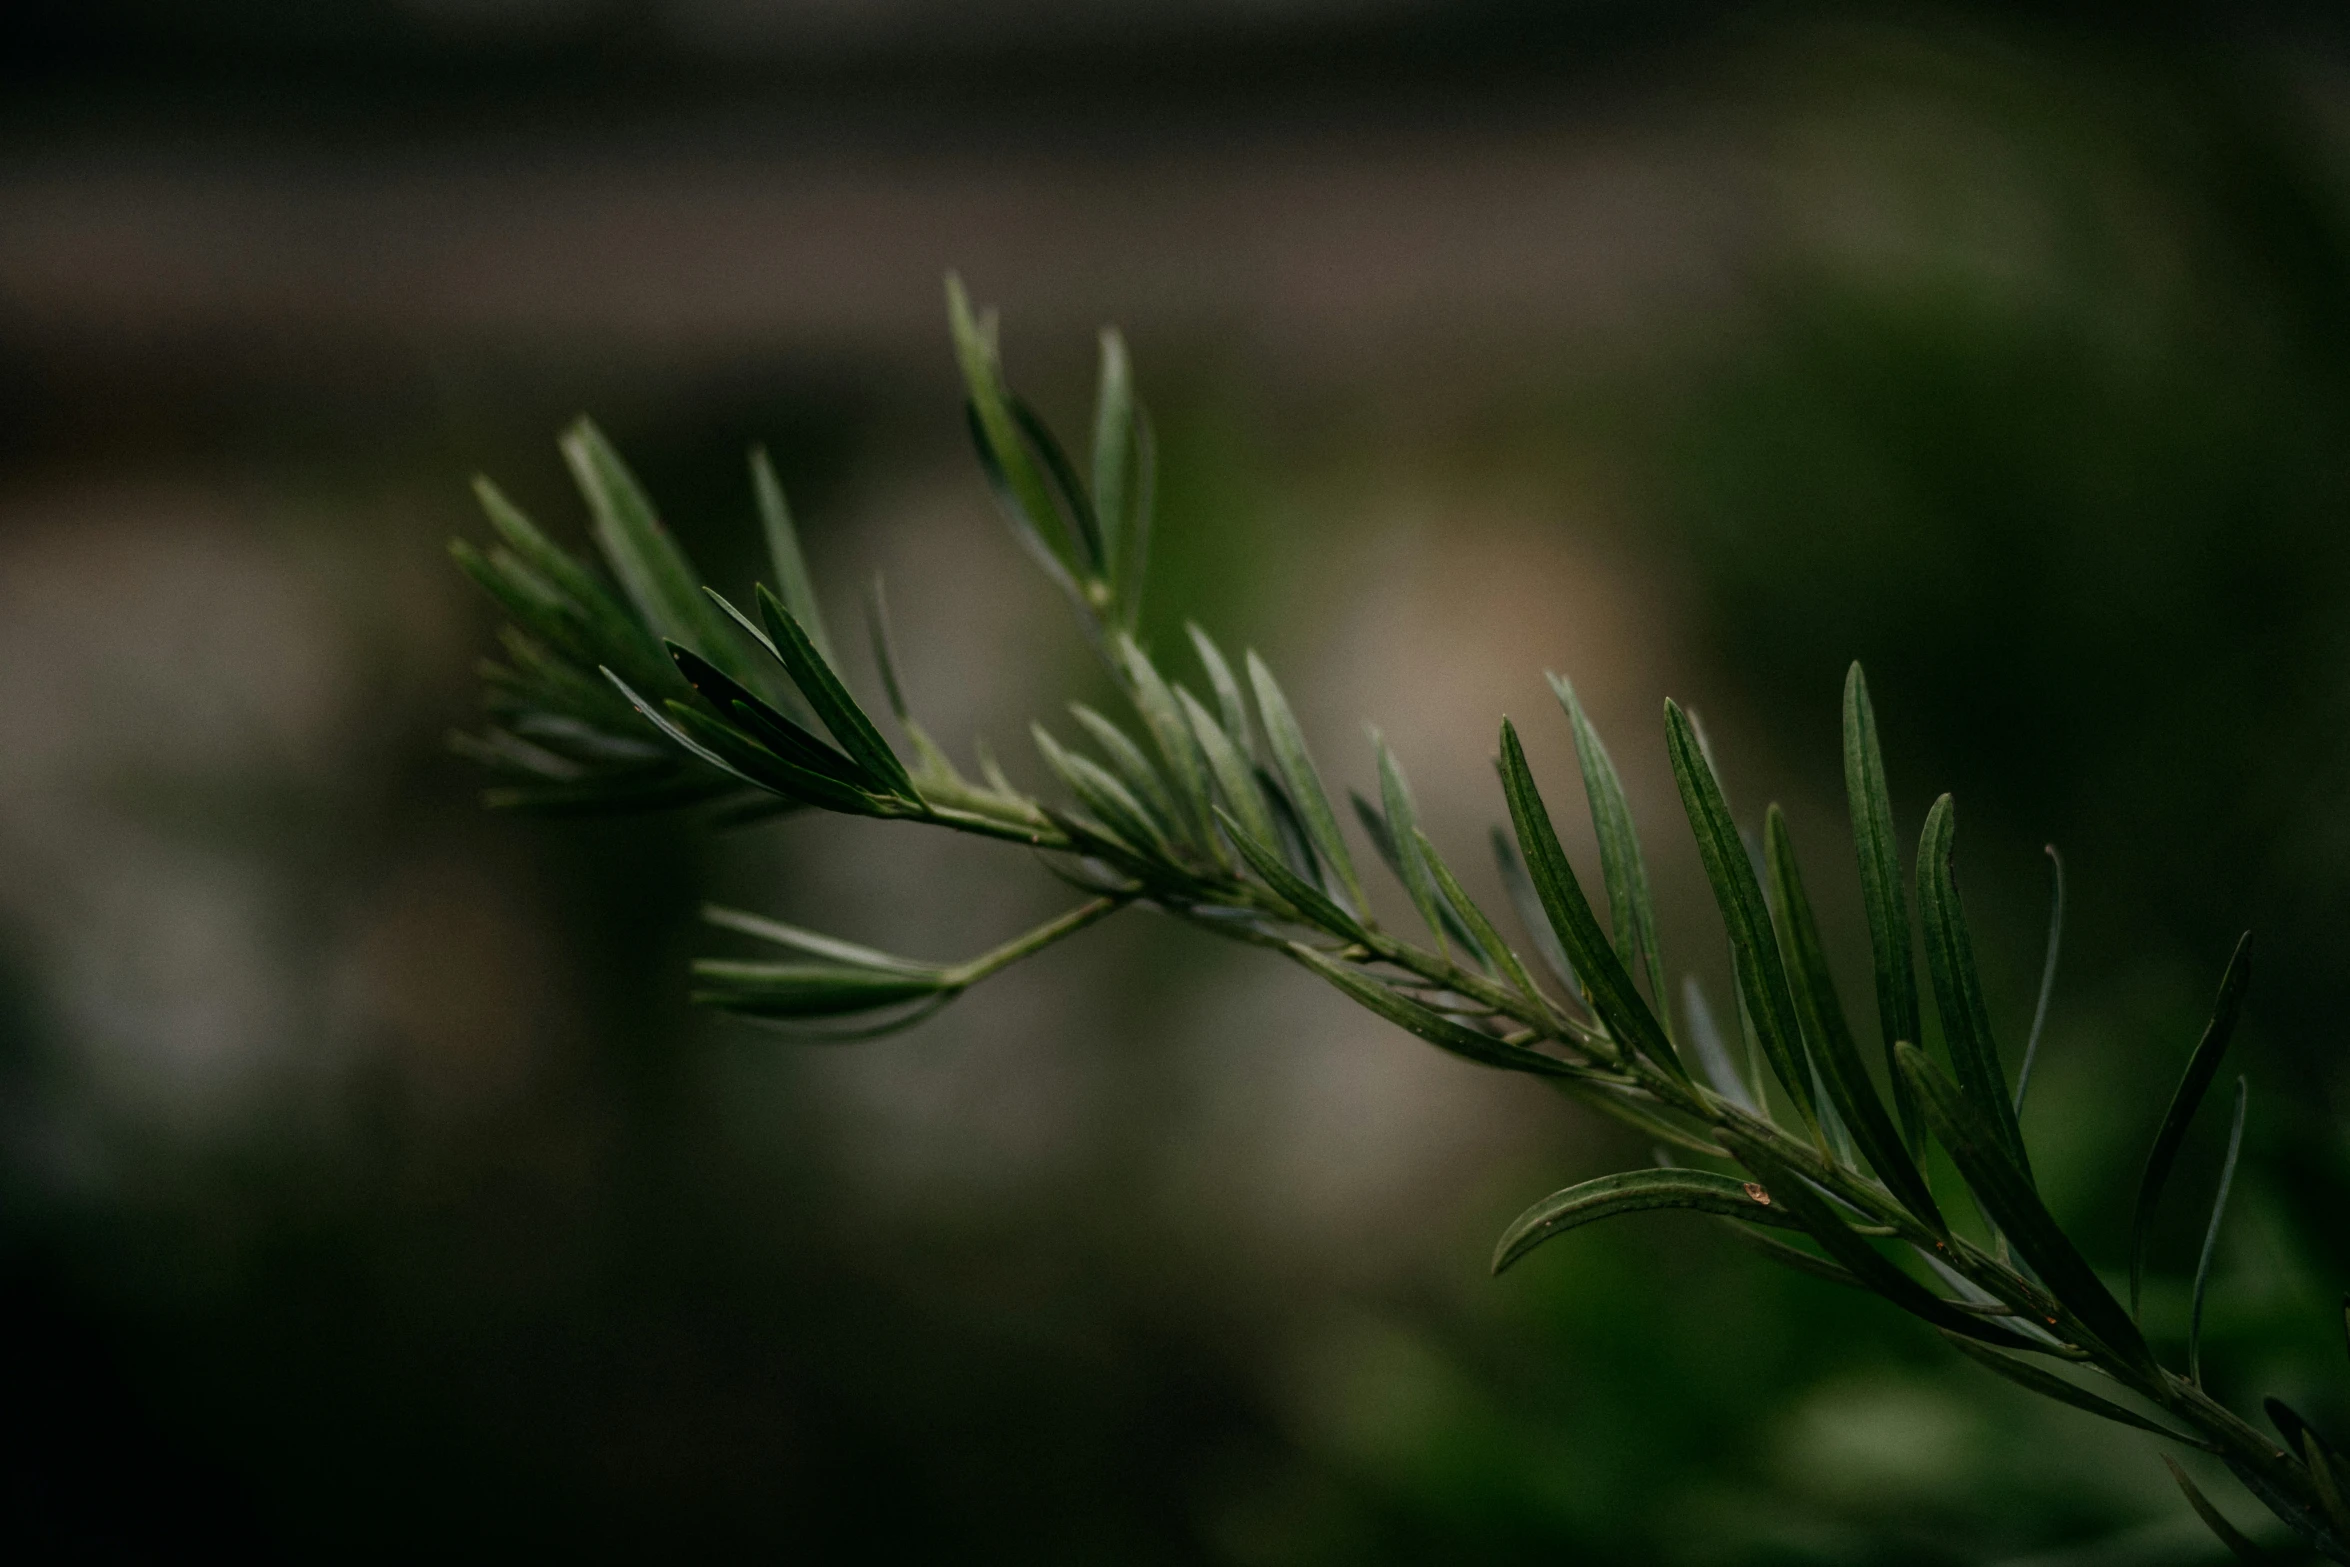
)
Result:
{"points": [[664, 694]]}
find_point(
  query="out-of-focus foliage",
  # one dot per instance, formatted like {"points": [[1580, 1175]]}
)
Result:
{"points": [[666, 1297]]}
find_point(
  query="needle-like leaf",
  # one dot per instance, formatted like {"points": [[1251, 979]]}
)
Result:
{"points": [[1113, 449], [1632, 916], [1833, 1050], [2202, 1066], [797, 990], [1881, 892], [1135, 561], [1472, 929], [831, 700], [1958, 986], [1425, 1021], [778, 733], [1607, 981], [1154, 701], [1712, 1051], [2227, 1533], [1854, 1254], [2023, 1075], [652, 570], [1402, 817], [1134, 769], [1635, 1191], [1297, 850], [1076, 509], [2293, 1426], [612, 634], [2326, 1480], [2048, 1384], [2010, 1201], [1310, 901], [1528, 903], [1236, 781], [1108, 799], [2219, 1212], [814, 943], [1296, 767], [1762, 977], [997, 430], [792, 582], [1373, 821], [1230, 705]]}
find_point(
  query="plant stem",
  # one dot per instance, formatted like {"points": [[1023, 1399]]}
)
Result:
{"points": [[964, 975]]}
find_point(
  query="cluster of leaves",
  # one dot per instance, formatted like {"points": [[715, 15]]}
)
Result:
{"points": [[1213, 810]]}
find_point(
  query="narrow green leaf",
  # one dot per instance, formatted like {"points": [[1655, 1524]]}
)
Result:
{"points": [[1881, 893], [1403, 830], [885, 657], [831, 700], [994, 424], [792, 582], [1235, 781], [1414, 1017], [1296, 767], [1229, 703], [1113, 450], [1170, 731], [1476, 932], [2202, 1066], [2010, 1201], [2049, 1385], [778, 733], [1528, 904], [730, 738], [613, 635], [2292, 1426], [667, 725], [527, 598], [1958, 986], [1373, 821], [814, 943], [2023, 1075], [1854, 1254], [791, 990], [2328, 1484], [1632, 915], [1076, 508], [1049, 554], [2219, 1212], [2227, 1533], [1635, 1191], [1297, 849], [1762, 977], [1607, 982], [2297, 1511], [1134, 557], [653, 572], [1106, 797], [1134, 769], [1311, 903], [1712, 1051], [1834, 1052]]}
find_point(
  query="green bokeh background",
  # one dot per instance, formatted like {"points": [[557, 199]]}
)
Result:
{"points": [[366, 1187]]}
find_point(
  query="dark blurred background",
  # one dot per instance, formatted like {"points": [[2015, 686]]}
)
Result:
{"points": [[367, 1189]]}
